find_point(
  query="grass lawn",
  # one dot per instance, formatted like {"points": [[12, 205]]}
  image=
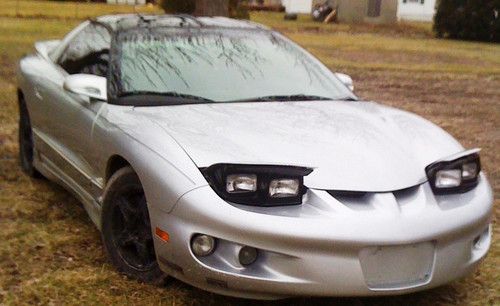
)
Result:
{"points": [[61, 10], [50, 253]]}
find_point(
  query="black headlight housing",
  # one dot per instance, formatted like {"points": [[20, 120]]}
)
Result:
{"points": [[260, 180], [455, 176]]}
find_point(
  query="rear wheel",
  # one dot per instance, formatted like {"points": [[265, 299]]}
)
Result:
{"points": [[126, 229], [26, 146]]}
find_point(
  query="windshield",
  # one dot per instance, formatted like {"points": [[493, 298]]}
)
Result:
{"points": [[220, 65]]}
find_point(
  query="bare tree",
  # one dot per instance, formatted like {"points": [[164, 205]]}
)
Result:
{"points": [[212, 8]]}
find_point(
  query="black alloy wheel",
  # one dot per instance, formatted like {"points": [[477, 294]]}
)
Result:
{"points": [[131, 230], [26, 146], [126, 228]]}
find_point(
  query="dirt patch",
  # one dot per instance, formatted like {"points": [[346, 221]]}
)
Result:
{"points": [[395, 57]]}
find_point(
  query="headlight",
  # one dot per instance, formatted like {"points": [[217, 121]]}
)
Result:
{"points": [[283, 188], [240, 183], [260, 185], [454, 176], [448, 178]]}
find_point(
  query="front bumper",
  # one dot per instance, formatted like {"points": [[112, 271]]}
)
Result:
{"points": [[379, 244]]}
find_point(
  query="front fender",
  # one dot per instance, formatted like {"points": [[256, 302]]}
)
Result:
{"points": [[165, 170]]}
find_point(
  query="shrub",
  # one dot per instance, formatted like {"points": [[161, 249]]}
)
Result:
{"points": [[468, 19]]}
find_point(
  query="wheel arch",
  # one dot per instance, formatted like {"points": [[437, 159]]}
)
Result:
{"points": [[115, 163], [165, 171]]}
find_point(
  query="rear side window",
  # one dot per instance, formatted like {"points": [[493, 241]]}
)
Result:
{"points": [[88, 51]]}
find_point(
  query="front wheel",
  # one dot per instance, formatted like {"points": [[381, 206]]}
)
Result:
{"points": [[126, 229], [26, 146]]}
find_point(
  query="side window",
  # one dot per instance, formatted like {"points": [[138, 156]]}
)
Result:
{"points": [[88, 51]]}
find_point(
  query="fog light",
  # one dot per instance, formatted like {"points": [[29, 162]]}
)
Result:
{"points": [[247, 255], [202, 245]]}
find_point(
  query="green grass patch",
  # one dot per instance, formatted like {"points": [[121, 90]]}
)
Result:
{"points": [[68, 9]]}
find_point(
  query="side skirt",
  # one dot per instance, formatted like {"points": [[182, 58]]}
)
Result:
{"points": [[45, 166]]}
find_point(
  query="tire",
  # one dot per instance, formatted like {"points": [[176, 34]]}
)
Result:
{"points": [[126, 229], [26, 144]]}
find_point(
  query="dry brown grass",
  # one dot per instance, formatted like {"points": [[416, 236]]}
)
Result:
{"points": [[50, 253]]}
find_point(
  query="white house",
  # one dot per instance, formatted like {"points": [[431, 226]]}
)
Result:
{"points": [[298, 6], [416, 10], [351, 11]]}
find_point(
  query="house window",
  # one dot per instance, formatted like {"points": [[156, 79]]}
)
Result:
{"points": [[374, 8]]}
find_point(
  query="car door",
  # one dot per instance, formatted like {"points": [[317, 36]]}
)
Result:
{"points": [[71, 116]]}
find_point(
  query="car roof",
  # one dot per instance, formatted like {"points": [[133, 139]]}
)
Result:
{"points": [[125, 22]]}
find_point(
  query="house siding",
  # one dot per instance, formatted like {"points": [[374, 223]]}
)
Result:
{"points": [[353, 11], [417, 10], [298, 6]]}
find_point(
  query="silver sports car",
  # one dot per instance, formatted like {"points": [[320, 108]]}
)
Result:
{"points": [[221, 153]]}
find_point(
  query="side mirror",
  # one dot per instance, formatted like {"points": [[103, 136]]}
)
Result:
{"points": [[346, 80], [88, 85]]}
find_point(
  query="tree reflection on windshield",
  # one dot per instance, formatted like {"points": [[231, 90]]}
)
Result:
{"points": [[220, 65]]}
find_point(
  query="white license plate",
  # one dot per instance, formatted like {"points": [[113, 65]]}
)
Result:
{"points": [[397, 267]]}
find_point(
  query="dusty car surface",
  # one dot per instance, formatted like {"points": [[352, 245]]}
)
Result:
{"points": [[221, 153]]}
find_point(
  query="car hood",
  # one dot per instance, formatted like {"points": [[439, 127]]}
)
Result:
{"points": [[355, 146]]}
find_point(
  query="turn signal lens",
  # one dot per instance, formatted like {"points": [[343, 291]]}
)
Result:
{"points": [[283, 188], [240, 183], [162, 234], [448, 178]]}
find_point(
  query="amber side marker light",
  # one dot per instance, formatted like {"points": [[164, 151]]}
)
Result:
{"points": [[162, 234]]}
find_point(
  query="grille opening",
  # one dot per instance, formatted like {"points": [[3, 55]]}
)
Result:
{"points": [[403, 193], [347, 194]]}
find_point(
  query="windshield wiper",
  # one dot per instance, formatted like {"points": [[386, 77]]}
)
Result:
{"points": [[171, 94], [280, 98]]}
